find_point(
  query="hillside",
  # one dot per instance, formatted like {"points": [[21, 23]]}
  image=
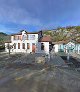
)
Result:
{"points": [[64, 33], [3, 37], [2, 34], [58, 34]]}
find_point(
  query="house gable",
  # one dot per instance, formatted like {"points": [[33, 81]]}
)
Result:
{"points": [[70, 44]]}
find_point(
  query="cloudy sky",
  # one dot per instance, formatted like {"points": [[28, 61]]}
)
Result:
{"points": [[35, 15]]}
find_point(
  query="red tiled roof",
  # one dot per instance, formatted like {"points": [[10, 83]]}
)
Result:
{"points": [[61, 42], [65, 42], [46, 39]]}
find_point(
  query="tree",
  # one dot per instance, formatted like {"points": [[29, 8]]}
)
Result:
{"points": [[1, 40], [9, 47]]}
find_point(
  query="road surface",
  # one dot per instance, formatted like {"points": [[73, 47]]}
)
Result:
{"points": [[36, 78]]}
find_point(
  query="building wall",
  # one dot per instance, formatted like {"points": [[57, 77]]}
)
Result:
{"points": [[56, 48], [70, 47], [46, 47], [38, 47], [78, 48], [27, 38], [61, 47], [21, 41], [7, 46], [21, 49]]}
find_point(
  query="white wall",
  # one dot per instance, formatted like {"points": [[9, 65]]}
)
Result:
{"points": [[6, 48], [56, 47], [19, 50], [12, 37], [38, 45], [23, 41], [46, 47], [79, 49]]}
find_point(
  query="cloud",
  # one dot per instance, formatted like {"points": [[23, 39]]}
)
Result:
{"points": [[41, 14], [17, 15]]}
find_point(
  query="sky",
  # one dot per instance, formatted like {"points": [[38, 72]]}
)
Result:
{"points": [[36, 15]]}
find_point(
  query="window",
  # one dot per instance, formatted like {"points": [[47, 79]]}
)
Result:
{"points": [[14, 37], [28, 45], [17, 37], [14, 45], [33, 43], [31, 37], [18, 45], [42, 46], [23, 46], [24, 37]]}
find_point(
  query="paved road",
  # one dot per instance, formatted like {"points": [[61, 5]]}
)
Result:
{"points": [[57, 60], [50, 80], [37, 78], [77, 56]]}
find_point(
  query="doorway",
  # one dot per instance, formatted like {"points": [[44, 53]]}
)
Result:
{"points": [[33, 47]]}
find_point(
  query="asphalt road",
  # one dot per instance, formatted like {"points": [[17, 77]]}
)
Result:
{"points": [[44, 80], [36, 78]]}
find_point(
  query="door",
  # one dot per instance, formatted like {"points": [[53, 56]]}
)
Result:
{"points": [[33, 47]]}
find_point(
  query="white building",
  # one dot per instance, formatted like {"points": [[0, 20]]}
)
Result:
{"points": [[67, 46], [29, 42]]}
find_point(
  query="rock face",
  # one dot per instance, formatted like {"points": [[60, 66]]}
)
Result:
{"points": [[40, 60]]}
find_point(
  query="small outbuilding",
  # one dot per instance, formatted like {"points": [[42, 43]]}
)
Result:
{"points": [[67, 46]]}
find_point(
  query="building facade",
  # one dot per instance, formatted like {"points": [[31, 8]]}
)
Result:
{"points": [[67, 46], [28, 42]]}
